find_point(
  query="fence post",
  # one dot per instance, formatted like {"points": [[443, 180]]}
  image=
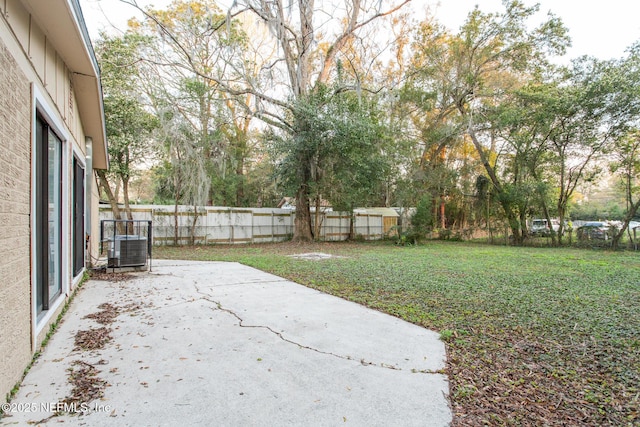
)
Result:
{"points": [[207, 230], [273, 226]]}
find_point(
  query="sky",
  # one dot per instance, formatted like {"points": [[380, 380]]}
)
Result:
{"points": [[599, 28]]}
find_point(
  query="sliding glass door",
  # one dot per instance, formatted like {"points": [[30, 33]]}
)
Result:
{"points": [[48, 215]]}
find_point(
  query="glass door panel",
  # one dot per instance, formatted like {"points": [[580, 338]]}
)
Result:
{"points": [[54, 215]]}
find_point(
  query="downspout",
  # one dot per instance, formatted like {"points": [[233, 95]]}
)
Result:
{"points": [[88, 198]]}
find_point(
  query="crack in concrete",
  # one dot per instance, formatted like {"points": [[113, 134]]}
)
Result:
{"points": [[363, 362], [257, 282]]}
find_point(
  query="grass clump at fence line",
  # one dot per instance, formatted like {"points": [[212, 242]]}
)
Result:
{"points": [[535, 336]]}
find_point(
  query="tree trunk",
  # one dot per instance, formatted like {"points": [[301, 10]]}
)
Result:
{"points": [[545, 211], [443, 219], [127, 206], [552, 232], [316, 228], [113, 202], [632, 208], [514, 223], [434, 205], [560, 233], [630, 214], [192, 235], [175, 223], [116, 192], [489, 218], [240, 181], [104, 184], [302, 222], [523, 222], [352, 220]]}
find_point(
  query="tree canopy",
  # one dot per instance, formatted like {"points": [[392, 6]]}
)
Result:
{"points": [[359, 104]]}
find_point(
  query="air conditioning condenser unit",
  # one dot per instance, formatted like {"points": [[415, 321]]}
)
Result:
{"points": [[127, 251]]}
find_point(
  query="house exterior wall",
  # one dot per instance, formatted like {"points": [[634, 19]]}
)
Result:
{"points": [[15, 187], [33, 77]]}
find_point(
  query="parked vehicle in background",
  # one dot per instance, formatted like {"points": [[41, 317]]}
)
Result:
{"points": [[540, 227], [594, 230]]}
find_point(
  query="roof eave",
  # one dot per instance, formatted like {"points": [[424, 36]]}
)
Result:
{"points": [[63, 24]]}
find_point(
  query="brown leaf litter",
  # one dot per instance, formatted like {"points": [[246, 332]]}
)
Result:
{"points": [[110, 276], [87, 386], [106, 315], [92, 339], [108, 312]]}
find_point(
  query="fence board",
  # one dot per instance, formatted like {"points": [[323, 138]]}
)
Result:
{"points": [[216, 224]]}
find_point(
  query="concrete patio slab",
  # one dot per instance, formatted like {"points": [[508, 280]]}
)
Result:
{"points": [[213, 343]]}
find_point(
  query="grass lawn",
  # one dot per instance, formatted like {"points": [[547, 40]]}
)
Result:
{"points": [[535, 336]]}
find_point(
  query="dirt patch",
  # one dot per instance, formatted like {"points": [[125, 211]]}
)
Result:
{"points": [[223, 251], [315, 256]]}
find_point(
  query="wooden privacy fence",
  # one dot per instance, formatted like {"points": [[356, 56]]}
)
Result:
{"points": [[247, 225]]}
